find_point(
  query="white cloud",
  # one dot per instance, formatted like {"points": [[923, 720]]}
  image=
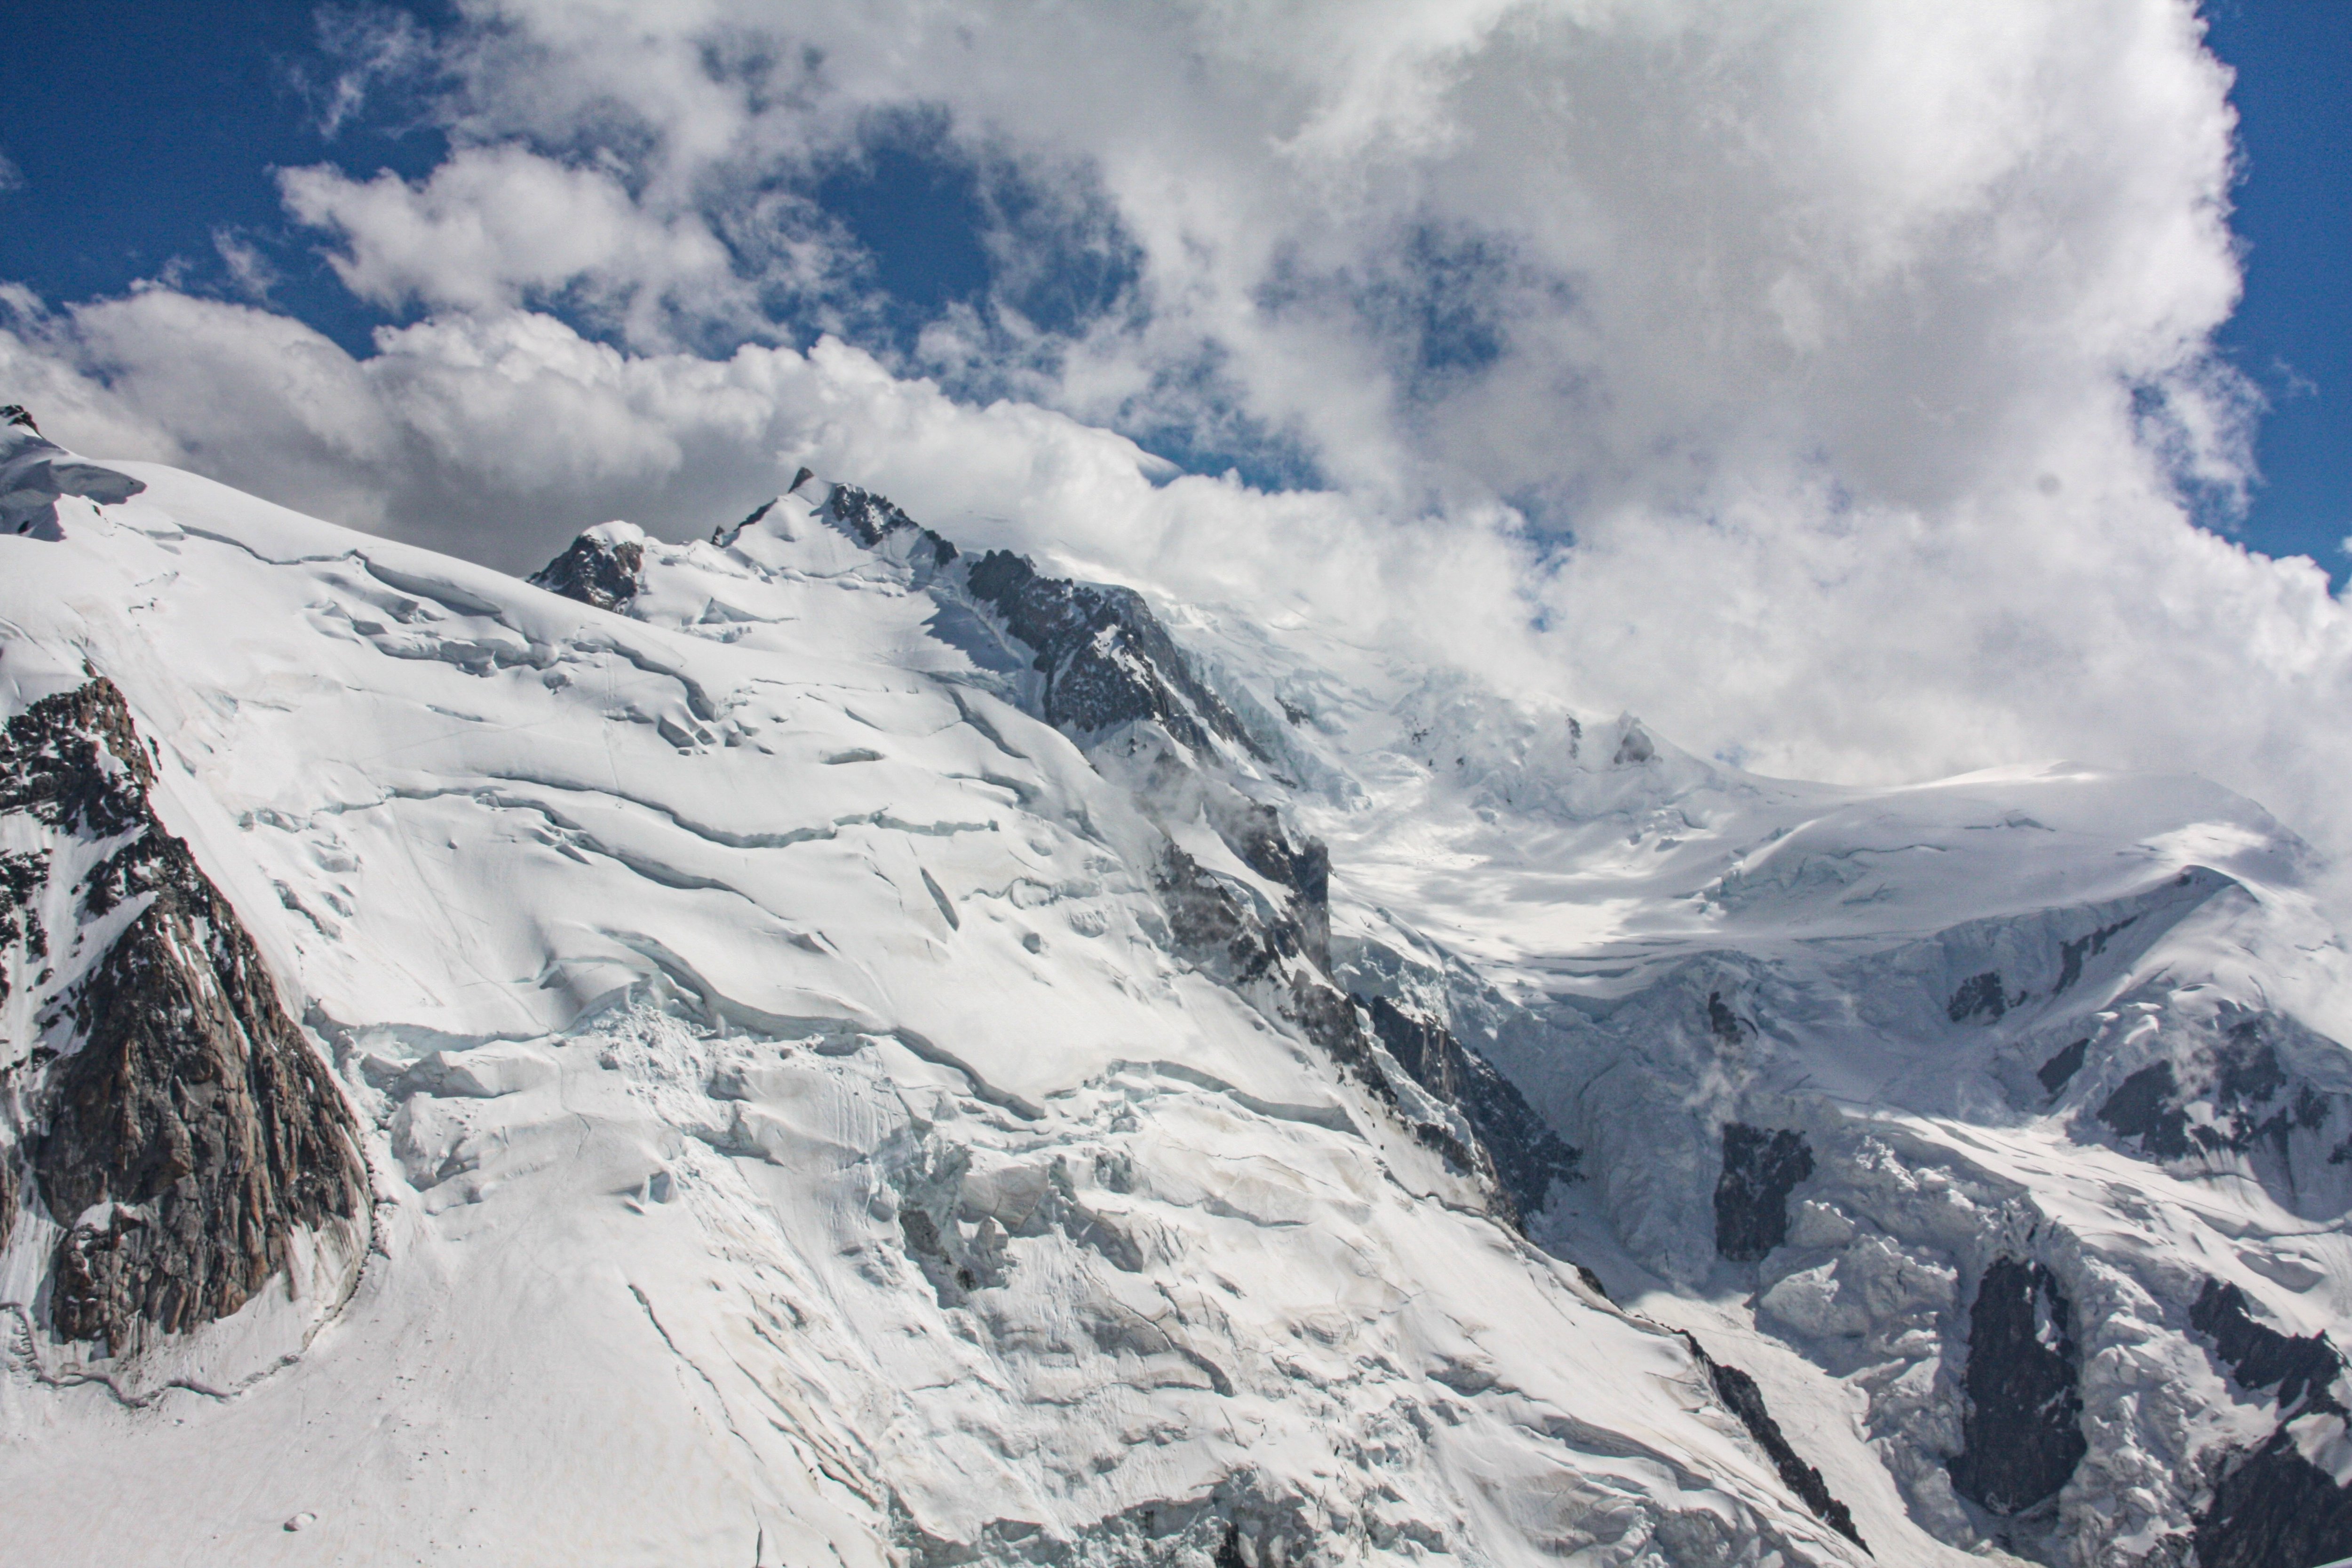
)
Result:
{"points": [[375, 48], [495, 225], [1891, 234], [1862, 349], [499, 436], [249, 272]]}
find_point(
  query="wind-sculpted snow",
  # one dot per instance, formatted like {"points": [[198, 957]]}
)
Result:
{"points": [[873, 1053], [36, 473]]}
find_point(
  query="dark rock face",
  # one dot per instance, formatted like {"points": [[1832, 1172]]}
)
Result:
{"points": [[22, 874], [2023, 1430], [1723, 1023], [195, 1108], [1513, 1154], [2252, 1101], [1751, 1197], [1104, 656], [606, 574], [867, 518], [2060, 1070], [73, 762], [2259, 1356], [1980, 996], [1303, 866], [192, 1129], [2145, 1105], [2276, 1509], [870, 519], [1744, 1399], [2071, 953], [1527, 1156], [1212, 927]]}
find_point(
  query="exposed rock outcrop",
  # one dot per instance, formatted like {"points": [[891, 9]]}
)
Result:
{"points": [[1450, 1100], [2275, 1508], [1979, 996], [1212, 927], [1744, 1399], [2061, 1069], [2274, 1505], [1104, 656], [2023, 1426], [1760, 1169], [187, 1132], [2298, 1367], [871, 519], [605, 567], [2092, 943], [2241, 1098], [1526, 1156]]}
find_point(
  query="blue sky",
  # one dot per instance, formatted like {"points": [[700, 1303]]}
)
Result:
{"points": [[140, 129], [143, 136], [2293, 333]]}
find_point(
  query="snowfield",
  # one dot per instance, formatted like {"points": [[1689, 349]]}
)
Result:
{"points": [[827, 1098]]}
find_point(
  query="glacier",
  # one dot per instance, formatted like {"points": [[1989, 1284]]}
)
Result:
{"points": [[816, 1045]]}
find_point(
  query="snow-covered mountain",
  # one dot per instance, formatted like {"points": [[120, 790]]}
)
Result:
{"points": [[818, 1046]]}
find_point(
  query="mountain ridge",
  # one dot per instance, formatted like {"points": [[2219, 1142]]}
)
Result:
{"points": [[984, 1104]]}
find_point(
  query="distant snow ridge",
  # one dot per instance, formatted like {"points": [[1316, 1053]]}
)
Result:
{"points": [[870, 1053], [36, 473]]}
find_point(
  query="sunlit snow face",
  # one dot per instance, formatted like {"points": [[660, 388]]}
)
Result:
{"points": [[1825, 384]]}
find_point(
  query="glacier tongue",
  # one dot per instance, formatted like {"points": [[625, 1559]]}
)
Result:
{"points": [[871, 1052]]}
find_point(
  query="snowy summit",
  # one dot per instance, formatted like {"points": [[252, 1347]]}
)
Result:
{"points": [[819, 1045]]}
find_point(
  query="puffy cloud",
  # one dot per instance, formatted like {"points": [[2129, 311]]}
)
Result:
{"points": [[495, 225], [1518, 247], [499, 436], [1830, 383]]}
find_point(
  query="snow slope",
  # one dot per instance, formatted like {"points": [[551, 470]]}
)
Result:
{"points": [[848, 1050]]}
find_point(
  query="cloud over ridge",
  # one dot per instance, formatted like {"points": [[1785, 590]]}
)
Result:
{"points": [[1832, 384]]}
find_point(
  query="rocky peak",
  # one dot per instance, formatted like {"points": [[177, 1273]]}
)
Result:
{"points": [[866, 517], [1106, 657], [875, 523], [606, 566], [73, 761]]}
